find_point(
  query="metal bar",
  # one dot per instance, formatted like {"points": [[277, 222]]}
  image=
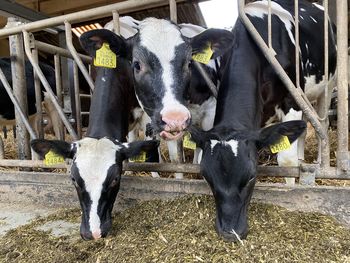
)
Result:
{"points": [[51, 49], [207, 79], [116, 24], [269, 25], [76, 57], [38, 98], [342, 85], [173, 10], [59, 93], [16, 104], [47, 86], [85, 95], [19, 89], [90, 14], [297, 48], [299, 97], [77, 100]]}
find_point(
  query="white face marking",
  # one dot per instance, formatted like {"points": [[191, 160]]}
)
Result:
{"points": [[161, 38], [93, 159], [260, 8], [233, 144]]}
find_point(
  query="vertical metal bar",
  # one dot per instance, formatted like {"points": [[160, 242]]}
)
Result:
{"points": [[75, 55], [19, 90], [297, 48], [269, 25], [77, 100], [47, 86], [342, 84], [38, 98], [173, 10], [59, 92], [116, 24]]}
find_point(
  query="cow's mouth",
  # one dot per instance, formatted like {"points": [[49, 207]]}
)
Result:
{"points": [[171, 135]]}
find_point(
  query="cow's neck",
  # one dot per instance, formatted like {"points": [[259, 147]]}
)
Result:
{"points": [[239, 102], [111, 103]]}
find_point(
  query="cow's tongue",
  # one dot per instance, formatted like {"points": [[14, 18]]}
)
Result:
{"points": [[170, 136]]}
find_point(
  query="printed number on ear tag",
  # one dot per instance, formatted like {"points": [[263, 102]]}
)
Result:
{"points": [[281, 145], [188, 143], [105, 57], [141, 158], [52, 158], [204, 56]]}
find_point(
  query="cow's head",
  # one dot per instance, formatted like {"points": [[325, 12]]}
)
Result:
{"points": [[161, 56], [229, 165], [95, 173]]}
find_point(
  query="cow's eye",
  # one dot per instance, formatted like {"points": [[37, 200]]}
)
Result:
{"points": [[137, 65]]}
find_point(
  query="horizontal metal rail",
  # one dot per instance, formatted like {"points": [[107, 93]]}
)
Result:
{"points": [[90, 14], [270, 171]]}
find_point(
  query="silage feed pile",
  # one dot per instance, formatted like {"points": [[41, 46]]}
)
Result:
{"points": [[182, 230]]}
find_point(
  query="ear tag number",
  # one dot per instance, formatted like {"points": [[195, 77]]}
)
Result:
{"points": [[52, 158], [204, 56], [281, 145], [188, 143], [105, 57], [141, 158]]}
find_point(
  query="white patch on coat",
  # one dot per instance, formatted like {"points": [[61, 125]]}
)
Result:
{"points": [[314, 90], [260, 8], [277, 117], [289, 157], [161, 37], [93, 159], [233, 144]]}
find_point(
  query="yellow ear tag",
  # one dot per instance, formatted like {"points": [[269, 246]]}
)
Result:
{"points": [[188, 143], [141, 158], [105, 57], [281, 145], [52, 158], [204, 56]]}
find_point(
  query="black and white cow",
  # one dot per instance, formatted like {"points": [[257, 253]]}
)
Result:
{"points": [[97, 158], [250, 92]]}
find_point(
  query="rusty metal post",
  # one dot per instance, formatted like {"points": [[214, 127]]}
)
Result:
{"points": [[77, 100], [38, 99], [59, 93], [19, 89], [342, 84]]}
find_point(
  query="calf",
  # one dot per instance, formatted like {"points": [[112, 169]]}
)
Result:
{"points": [[97, 158], [250, 95]]}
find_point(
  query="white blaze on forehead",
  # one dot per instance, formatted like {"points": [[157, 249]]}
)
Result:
{"points": [[161, 37], [233, 144], [93, 159], [260, 8]]}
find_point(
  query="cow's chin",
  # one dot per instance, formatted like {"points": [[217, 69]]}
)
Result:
{"points": [[169, 136]]}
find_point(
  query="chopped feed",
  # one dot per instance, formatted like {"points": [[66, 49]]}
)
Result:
{"points": [[182, 230]]}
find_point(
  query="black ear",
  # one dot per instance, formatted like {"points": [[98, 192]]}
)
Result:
{"points": [[134, 148], [42, 147], [93, 40], [220, 40], [198, 136], [272, 134]]}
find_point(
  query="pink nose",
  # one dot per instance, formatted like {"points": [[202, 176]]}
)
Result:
{"points": [[96, 234], [175, 120]]}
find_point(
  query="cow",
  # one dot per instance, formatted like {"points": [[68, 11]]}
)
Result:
{"points": [[97, 158], [250, 94], [197, 96], [7, 109]]}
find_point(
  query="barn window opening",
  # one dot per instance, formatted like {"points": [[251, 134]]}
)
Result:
{"points": [[78, 31]]}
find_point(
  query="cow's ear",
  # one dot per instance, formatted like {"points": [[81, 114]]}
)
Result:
{"points": [[135, 148], [42, 147], [93, 40], [198, 136], [219, 40], [273, 134]]}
